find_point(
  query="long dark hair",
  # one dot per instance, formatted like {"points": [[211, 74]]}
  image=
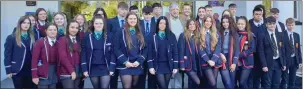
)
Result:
{"points": [[92, 28], [167, 29], [37, 13], [138, 31], [231, 27], [247, 27], [100, 9], [69, 41]]}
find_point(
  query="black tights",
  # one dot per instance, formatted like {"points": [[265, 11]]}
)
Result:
{"points": [[163, 80], [100, 81], [129, 81], [193, 76], [211, 76]]}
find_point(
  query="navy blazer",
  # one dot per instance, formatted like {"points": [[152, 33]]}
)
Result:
{"points": [[14, 55], [121, 50], [288, 51], [152, 28], [185, 53], [87, 51], [247, 56], [282, 27], [265, 49], [214, 56], [235, 51], [114, 25], [172, 52]]}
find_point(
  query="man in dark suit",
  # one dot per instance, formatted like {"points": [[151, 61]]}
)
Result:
{"points": [[148, 28], [293, 56], [157, 11], [233, 8], [271, 54], [275, 13], [114, 25]]}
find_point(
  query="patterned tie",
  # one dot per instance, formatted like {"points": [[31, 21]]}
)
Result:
{"points": [[291, 44], [161, 35], [61, 31], [98, 35], [132, 31], [24, 36], [74, 40], [274, 45]]}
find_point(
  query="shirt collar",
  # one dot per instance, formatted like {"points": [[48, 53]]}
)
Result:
{"points": [[71, 37], [289, 32], [226, 30], [50, 40], [257, 23], [270, 32], [120, 18], [41, 23]]}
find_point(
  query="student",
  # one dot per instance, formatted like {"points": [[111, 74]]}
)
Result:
{"points": [[60, 21], [98, 60], [157, 11], [83, 25], [131, 50], [20, 43], [257, 27], [165, 53], [134, 9], [69, 56], [233, 9], [229, 51], [45, 59], [247, 46], [209, 51], [187, 52], [262, 7], [41, 21], [100, 11], [208, 10], [200, 16], [33, 26], [275, 13], [293, 55], [116, 24], [271, 54], [148, 28]]}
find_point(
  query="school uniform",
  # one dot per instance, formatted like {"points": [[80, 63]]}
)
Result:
{"points": [[61, 32], [124, 54], [256, 74], [97, 58], [17, 61], [292, 60], [69, 62], [272, 56], [44, 61], [148, 29], [230, 48], [246, 58], [35, 30], [187, 54], [210, 54], [164, 54], [42, 28], [199, 24], [280, 27]]}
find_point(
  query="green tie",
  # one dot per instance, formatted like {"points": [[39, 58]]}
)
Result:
{"points": [[161, 35], [61, 31], [24, 35], [132, 31], [98, 34]]}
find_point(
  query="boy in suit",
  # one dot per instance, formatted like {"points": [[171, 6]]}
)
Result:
{"points": [[233, 8], [157, 11], [271, 54], [275, 13], [293, 56]]}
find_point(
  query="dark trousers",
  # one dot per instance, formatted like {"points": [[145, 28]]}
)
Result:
{"points": [[21, 82], [289, 75], [272, 78], [242, 77]]}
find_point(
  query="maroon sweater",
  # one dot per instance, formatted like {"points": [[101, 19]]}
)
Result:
{"points": [[47, 58], [42, 29], [67, 60]]}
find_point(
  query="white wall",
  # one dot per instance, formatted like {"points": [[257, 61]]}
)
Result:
{"points": [[10, 13], [285, 11]]}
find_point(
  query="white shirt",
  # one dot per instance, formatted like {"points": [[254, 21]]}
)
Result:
{"points": [[293, 41], [41, 23], [201, 24], [258, 23], [278, 26], [72, 37], [177, 27], [269, 32], [50, 41]]}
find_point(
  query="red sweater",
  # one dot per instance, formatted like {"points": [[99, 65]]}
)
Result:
{"points": [[47, 58], [67, 59]]}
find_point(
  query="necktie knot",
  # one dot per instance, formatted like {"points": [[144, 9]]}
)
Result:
{"points": [[132, 31], [24, 35]]}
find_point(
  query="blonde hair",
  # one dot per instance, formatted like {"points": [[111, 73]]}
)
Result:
{"points": [[18, 31], [84, 26], [213, 33], [64, 17]]}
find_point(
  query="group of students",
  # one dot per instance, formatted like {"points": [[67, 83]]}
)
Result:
{"points": [[43, 54]]}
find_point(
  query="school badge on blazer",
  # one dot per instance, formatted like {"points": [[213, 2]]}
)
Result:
{"points": [[297, 45], [280, 44]]}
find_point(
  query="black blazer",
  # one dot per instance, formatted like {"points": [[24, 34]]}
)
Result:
{"points": [[114, 25], [288, 53], [266, 52]]}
